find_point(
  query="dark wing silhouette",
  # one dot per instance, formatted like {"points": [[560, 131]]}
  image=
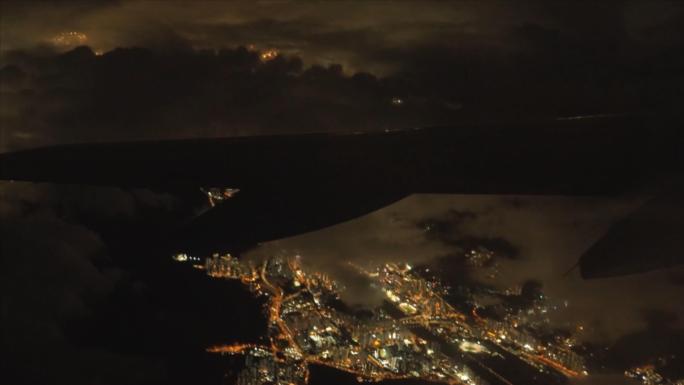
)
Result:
{"points": [[292, 184], [650, 238]]}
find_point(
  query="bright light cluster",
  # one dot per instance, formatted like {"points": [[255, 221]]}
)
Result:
{"points": [[268, 55], [69, 39]]}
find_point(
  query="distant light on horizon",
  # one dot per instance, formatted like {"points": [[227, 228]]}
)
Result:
{"points": [[69, 39], [269, 55]]}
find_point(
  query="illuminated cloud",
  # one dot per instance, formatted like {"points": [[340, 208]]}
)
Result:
{"points": [[69, 39]]}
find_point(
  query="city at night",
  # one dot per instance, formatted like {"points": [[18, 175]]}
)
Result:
{"points": [[342, 192]]}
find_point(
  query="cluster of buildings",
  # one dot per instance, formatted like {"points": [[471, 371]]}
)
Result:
{"points": [[648, 375], [69, 39], [263, 367], [226, 266], [216, 195], [479, 257], [544, 355], [420, 336], [476, 334]]}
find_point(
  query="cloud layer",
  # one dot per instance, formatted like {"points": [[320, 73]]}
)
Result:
{"points": [[341, 68]]}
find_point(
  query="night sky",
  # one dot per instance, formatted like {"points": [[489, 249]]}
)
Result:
{"points": [[86, 298]]}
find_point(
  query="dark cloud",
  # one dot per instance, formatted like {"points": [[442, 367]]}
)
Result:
{"points": [[659, 343], [141, 94], [335, 27], [448, 63], [88, 298], [451, 230], [55, 270], [677, 278]]}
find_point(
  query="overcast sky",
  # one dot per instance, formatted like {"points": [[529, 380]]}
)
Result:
{"points": [[447, 62], [366, 36]]}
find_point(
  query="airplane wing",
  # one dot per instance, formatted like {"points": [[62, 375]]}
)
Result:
{"points": [[291, 184], [650, 238], [561, 157]]}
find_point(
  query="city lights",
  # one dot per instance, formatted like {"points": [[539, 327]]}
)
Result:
{"points": [[268, 55], [69, 39], [306, 329]]}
